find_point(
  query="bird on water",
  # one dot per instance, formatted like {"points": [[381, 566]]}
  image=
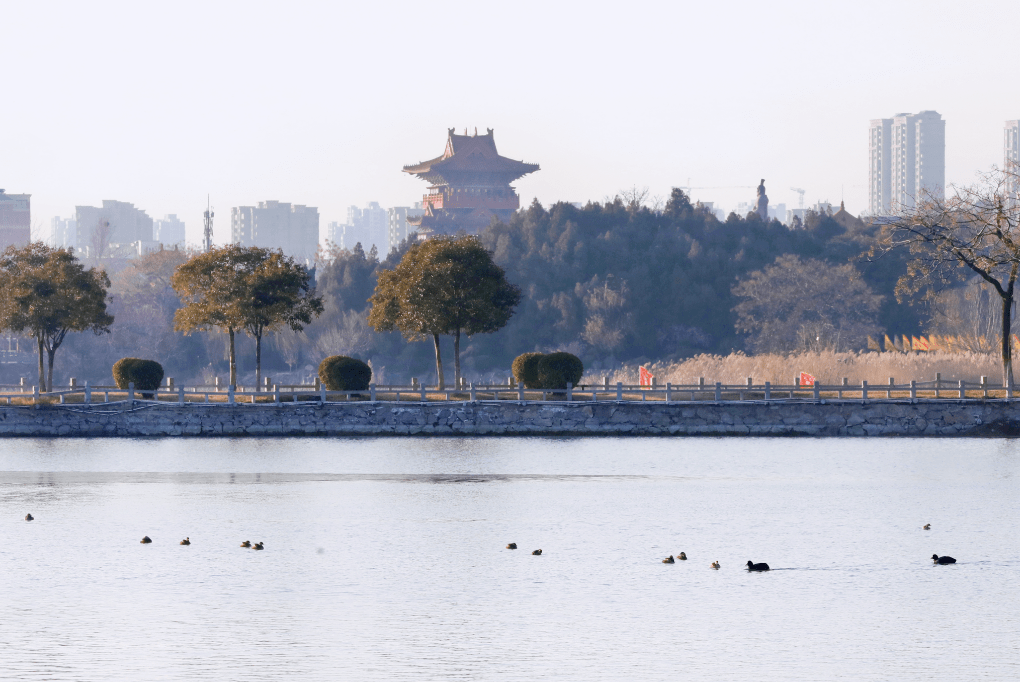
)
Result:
{"points": [[668, 560], [683, 556], [537, 552], [942, 560], [186, 541], [927, 526], [246, 543], [29, 517], [257, 545], [146, 540], [751, 566], [512, 545], [715, 565]]}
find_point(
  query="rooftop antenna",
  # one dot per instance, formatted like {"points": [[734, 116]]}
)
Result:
{"points": [[208, 216]]}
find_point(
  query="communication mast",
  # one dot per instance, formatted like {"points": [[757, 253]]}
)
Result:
{"points": [[208, 215], [801, 193]]}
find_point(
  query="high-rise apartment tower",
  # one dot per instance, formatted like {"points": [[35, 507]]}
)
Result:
{"points": [[907, 158]]}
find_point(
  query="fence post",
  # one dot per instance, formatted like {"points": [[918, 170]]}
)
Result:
{"points": [[605, 382], [718, 391], [817, 391], [35, 394], [322, 391], [72, 382], [846, 382], [768, 390], [180, 396], [963, 390], [888, 391], [669, 392], [520, 390], [938, 383], [131, 393], [1009, 387], [230, 393], [422, 387], [570, 391], [371, 392], [864, 390], [984, 387], [619, 391], [216, 382], [170, 383], [474, 394], [88, 392], [913, 389], [276, 393]]}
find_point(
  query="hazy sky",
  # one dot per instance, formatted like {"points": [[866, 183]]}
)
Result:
{"points": [[322, 103]]}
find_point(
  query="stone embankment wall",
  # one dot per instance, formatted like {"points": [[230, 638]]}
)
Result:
{"points": [[830, 418]]}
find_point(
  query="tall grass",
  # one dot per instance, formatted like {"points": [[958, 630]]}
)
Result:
{"points": [[826, 366]]}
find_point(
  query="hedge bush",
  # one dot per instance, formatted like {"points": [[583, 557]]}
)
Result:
{"points": [[146, 375], [525, 369], [556, 369], [341, 373]]}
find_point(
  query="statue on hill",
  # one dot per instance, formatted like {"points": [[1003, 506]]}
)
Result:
{"points": [[762, 207]]}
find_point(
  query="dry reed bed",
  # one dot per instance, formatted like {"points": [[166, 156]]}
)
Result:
{"points": [[827, 367]]}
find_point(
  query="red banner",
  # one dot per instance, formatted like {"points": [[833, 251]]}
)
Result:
{"points": [[644, 376], [806, 379]]}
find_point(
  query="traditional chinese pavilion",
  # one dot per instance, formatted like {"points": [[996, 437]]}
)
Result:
{"points": [[468, 185]]}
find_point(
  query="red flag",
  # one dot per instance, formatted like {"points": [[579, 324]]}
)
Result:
{"points": [[644, 376], [806, 379]]}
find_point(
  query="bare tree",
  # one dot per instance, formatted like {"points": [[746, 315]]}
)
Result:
{"points": [[975, 231], [608, 321], [100, 240]]}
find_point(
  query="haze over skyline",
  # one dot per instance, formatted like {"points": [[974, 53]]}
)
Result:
{"points": [[322, 105]]}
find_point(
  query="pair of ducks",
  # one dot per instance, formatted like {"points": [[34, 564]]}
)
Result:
{"points": [[147, 540], [257, 545], [29, 517], [513, 545], [669, 560]]}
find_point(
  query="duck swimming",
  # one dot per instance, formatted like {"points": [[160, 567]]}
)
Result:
{"points": [[512, 545], [537, 552], [715, 565], [682, 557], [146, 540], [29, 517], [246, 543], [186, 541], [927, 526], [257, 545], [942, 560], [751, 566], [668, 560]]}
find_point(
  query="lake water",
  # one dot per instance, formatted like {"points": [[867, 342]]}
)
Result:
{"points": [[385, 559]]}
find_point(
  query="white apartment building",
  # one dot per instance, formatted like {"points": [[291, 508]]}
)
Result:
{"points": [[907, 158], [367, 226], [169, 231], [64, 233], [292, 228], [398, 216], [119, 223], [1011, 146]]}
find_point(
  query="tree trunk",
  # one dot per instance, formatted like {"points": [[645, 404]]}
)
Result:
{"points": [[456, 359], [258, 362], [439, 364], [49, 382], [233, 359], [42, 371], [1007, 346]]}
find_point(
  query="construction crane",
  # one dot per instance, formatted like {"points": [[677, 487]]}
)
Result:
{"points": [[799, 191], [208, 216]]}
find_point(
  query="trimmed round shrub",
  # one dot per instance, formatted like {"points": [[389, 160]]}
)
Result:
{"points": [[556, 369], [146, 375], [525, 369], [341, 373]]}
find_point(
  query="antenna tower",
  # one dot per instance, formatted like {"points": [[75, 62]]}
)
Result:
{"points": [[208, 216]]}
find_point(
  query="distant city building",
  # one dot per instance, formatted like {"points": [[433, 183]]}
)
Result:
{"points": [[1011, 157], [778, 212], [907, 156], [169, 231], [110, 228], [15, 219], [64, 233], [469, 184], [294, 229], [335, 233], [398, 225]]}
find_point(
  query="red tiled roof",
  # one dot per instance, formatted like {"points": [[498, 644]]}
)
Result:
{"points": [[471, 154]]}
